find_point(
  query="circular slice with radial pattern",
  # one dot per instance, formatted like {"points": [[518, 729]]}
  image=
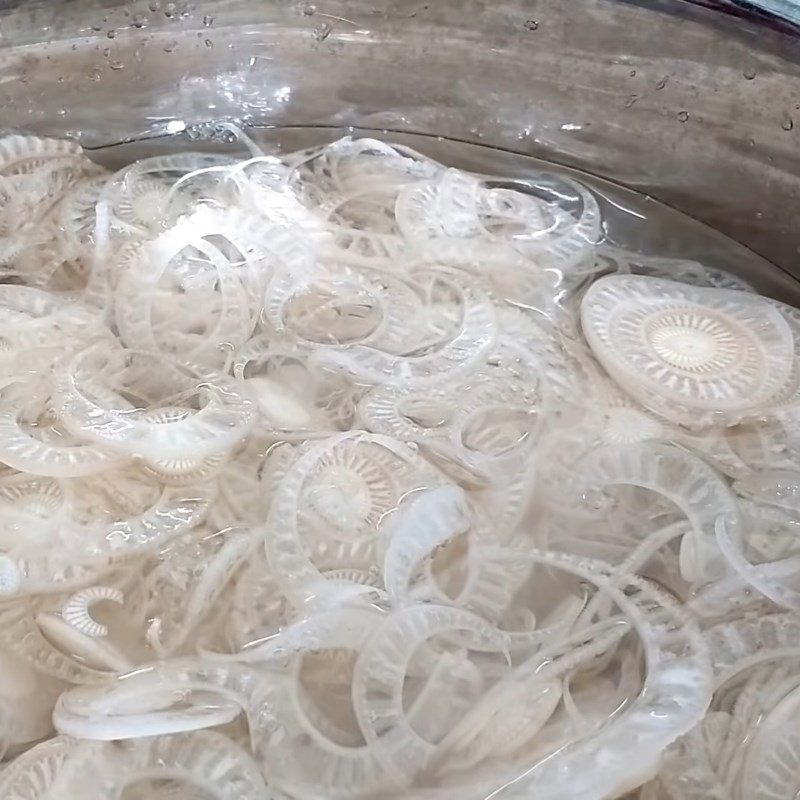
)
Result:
{"points": [[695, 355]]}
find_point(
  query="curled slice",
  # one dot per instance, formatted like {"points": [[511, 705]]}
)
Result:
{"points": [[168, 697], [22, 636], [694, 355], [457, 356], [91, 400], [341, 307], [206, 759], [184, 587], [77, 613], [188, 292], [339, 491], [680, 477], [673, 699], [380, 675], [423, 524], [743, 643], [31, 775], [778, 487]]}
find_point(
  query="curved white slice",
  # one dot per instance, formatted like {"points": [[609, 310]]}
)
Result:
{"points": [[22, 636], [455, 357], [743, 643], [463, 208], [674, 698], [340, 490], [185, 586], [776, 487], [680, 477], [90, 381], [208, 248], [22, 450], [76, 610], [694, 355], [31, 775], [167, 697], [380, 675], [341, 306], [417, 529]]}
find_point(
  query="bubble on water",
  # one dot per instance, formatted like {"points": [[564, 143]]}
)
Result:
{"points": [[139, 20], [112, 34], [633, 73], [749, 74], [787, 123], [209, 43], [208, 21], [662, 83], [683, 116], [531, 25], [170, 10], [631, 100], [170, 46]]}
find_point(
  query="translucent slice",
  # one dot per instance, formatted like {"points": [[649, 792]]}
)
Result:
{"points": [[175, 696], [674, 697], [693, 355], [552, 220], [423, 524], [341, 306], [28, 443], [453, 358], [185, 586], [22, 636], [779, 488], [338, 491], [380, 674], [77, 613], [21, 154], [90, 394], [93, 652], [680, 477], [740, 644], [195, 289], [296, 398], [27, 699], [31, 775], [486, 423]]}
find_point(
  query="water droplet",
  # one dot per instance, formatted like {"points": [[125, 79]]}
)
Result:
{"points": [[155, 5], [209, 43], [759, 215], [170, 10], [106, 51], [531, 25], [683, 116], [309, 11], [631, 100], [62, 112], [115, 65], [97, 27], [170, 46], [208, 21], [112, 34], [662, 83], [322, 32], [139, 20], [787, 123], [633, 73], [749, 74]]}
